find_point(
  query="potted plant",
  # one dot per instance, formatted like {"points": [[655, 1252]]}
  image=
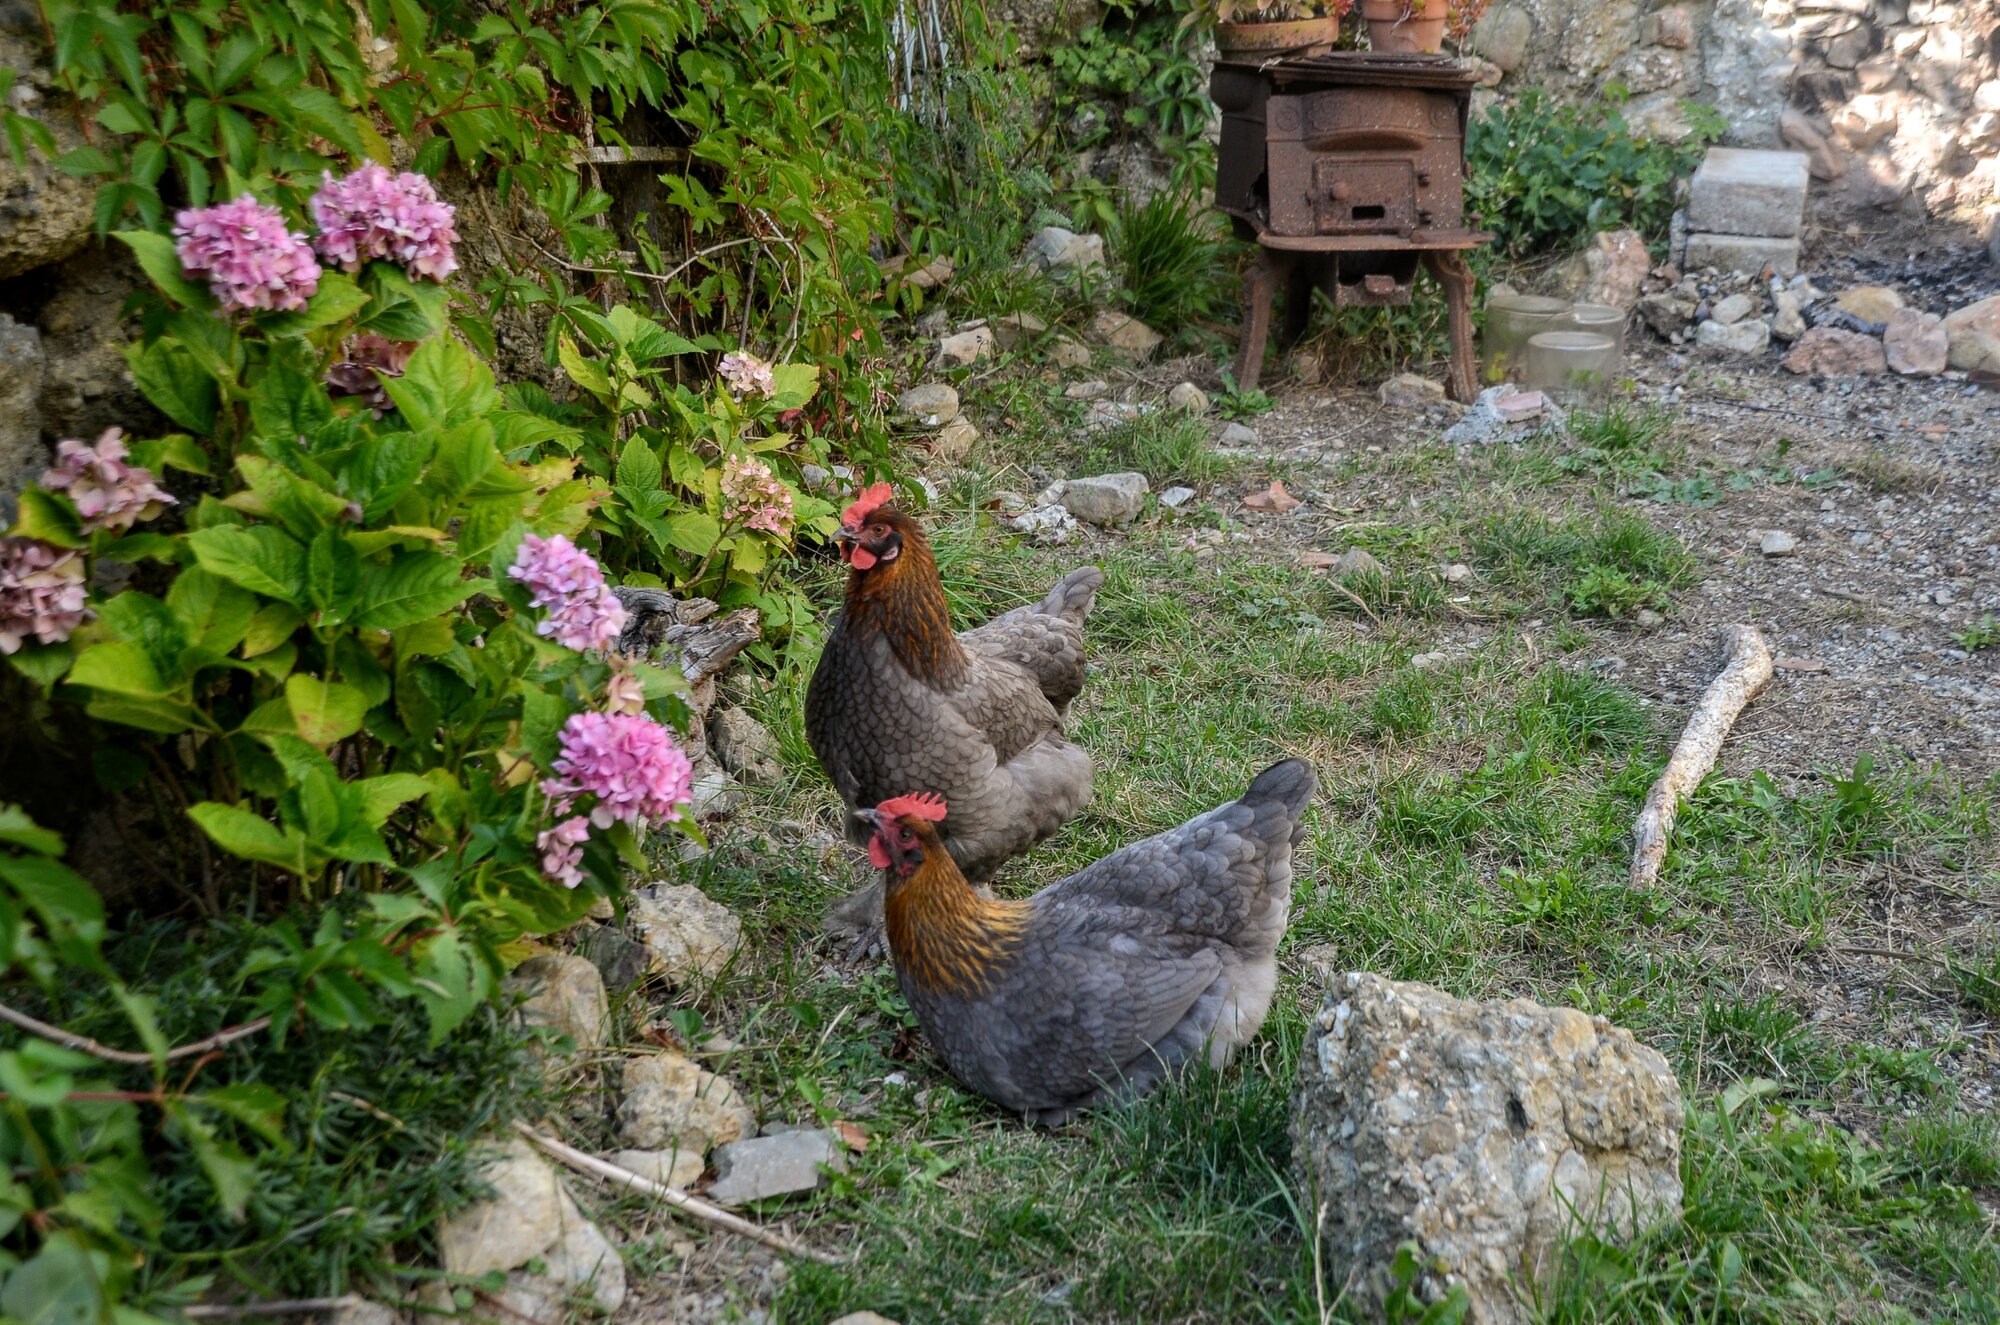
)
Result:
{"points": [[1419, 25], [1270, 27]]}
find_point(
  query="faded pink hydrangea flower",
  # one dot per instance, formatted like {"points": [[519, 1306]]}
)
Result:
{"points": [[247, 256], [375, 214], [370, 358], [41, 593], [624, 693], [562, 850], [109, 493], [746, 374], [756, 496], [628, 762], [583, 613]]}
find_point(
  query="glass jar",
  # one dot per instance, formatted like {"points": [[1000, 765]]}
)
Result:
{"points": [[1571, 364], [1596, 319], [1510, 320]]}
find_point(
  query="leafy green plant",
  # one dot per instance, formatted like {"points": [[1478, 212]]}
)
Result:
{"points": [[1233, 402], [1171, 260], [1983, 632], [1600, 590], [1544, 175]]}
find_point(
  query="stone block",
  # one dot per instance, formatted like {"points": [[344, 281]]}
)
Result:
{"points": [[1748, 254], [1738, 191]]}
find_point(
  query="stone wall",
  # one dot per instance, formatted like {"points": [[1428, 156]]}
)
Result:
{"points": [[1897, 101]]}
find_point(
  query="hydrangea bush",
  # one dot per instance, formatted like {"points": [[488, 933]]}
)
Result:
{"points": [[350, 619]]}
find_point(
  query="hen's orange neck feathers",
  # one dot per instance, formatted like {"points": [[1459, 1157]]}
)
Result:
{"points": [[903, 600], [944, 935]]}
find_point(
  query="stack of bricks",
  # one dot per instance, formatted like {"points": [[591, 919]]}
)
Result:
{"points": [[1746, 210]]}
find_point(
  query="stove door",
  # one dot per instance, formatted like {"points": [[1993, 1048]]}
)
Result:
{"points": [[1363, 195]]}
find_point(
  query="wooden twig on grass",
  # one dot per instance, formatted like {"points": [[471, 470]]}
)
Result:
{"points": [[1746, 673], [84, 1044], [680, 1200], [294, 1307]]}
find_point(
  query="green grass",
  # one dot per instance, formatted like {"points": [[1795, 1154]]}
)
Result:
{"points": [[1471, 832]]}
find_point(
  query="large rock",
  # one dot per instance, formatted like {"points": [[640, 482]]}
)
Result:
{"points": [[1982, 316], [522, 1220], [22, 455], [1742, 192], [691, 937], [580, 1268], [565, 995], [1832, 352], [1484, 1132], [744, 746], [45, 214], [966, 347], [671, 1103], [1502, 36], [1107, 499], [1974, 351], [1666, 312], [780, 1165], [1916, 343], [1410, 391]]}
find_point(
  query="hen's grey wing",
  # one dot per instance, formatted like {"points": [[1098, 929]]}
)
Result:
{"points": [[1045, 639]]}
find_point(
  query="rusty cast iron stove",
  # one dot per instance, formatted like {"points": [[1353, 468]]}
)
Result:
{"points": [[1348, 171]]}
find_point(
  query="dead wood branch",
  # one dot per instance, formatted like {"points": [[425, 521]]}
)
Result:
{"points": [[1747, 671], [680, 1200], [84, 1044]]}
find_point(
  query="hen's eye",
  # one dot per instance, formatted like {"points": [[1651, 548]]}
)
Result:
{"points": [[878, 530]]}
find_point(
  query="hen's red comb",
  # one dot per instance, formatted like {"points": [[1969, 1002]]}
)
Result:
{"points": [[881, 494], [925, 805]]}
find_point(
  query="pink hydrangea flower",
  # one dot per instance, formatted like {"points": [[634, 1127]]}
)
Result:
{"points": [[109, 494], [583, 613], [757, 497], [247, 256], [624, 693], [41, 593], [562, 850], [746, 374], [628, 762], [370, 358], [375, 214]]}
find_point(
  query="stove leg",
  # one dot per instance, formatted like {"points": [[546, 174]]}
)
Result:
{"points": [[1455, 276], [1258, 287]]}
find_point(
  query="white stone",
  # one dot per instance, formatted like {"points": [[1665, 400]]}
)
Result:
{"points": [[768, 1166], [1175, 498], [1068, 352], [1788, 322], [581, 1266], [521, 1221], [1916, 343], [929, 405], [1054, 247], [1733, 308], [1090, 390], [691, 937], [966, 346], [1121, 331], [1189, 397], [954, 441], [1048, 523], [1410, 391], [669, 1102], [673, 1167], [1737, 338], [566, 995], [1777, 543], [1106, 499], [1238, 435], [743, 745], [1017, 329]]}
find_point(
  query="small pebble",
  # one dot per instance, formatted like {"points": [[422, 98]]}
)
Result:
{"points": [[1777, 543]]}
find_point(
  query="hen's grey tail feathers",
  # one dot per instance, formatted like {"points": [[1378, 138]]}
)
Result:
{"points": [[1289, 784], [1073, 594]]}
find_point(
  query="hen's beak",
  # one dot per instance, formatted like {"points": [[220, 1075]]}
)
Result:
{"points": [[868, 817], [847, 533]]}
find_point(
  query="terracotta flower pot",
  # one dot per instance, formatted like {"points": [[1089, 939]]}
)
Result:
{"points": [[1295, 35], [1389, 29]]}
